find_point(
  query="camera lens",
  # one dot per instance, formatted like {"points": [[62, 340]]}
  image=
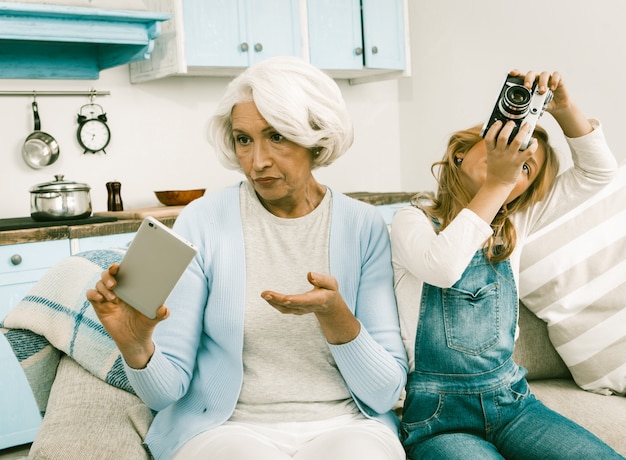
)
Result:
{"points": [[515, 102]]}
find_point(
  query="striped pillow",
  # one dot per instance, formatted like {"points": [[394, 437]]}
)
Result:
{"points": [[573, 276]]}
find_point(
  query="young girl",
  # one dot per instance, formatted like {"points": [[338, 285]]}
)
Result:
{"points": [[456, 263]]}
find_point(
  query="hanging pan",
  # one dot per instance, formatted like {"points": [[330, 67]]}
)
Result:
{"points": [[40, 149]]}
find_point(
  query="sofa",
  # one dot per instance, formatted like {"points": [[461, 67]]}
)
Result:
{"points": [[88, 418], [572, 338]]}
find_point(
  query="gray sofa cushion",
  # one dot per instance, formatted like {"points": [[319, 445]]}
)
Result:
{"points": [[534, 351], [605, 416], [89, 419]]}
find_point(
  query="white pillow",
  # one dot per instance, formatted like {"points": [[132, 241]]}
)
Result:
{"points": [[573, 276], [56, 310]]}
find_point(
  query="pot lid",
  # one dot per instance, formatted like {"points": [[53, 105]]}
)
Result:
{"points": [[59, 185]]}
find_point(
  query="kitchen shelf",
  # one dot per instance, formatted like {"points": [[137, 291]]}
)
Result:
{"points": [[66, 42]]}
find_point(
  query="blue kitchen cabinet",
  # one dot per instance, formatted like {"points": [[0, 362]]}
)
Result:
{"points": [[388, 211], [118, 240], [383, 37], [221, 37], [20, 419], [349, 35], [225, 33], [21, 265], [335, 34], [357, 40]]}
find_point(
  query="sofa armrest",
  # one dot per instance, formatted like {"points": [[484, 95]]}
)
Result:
{"points": [[534, 351]]}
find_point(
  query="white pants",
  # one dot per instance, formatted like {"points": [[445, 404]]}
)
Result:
{"points": [[341, 438]]}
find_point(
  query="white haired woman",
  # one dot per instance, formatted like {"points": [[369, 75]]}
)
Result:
{"points": [[282, 338]]}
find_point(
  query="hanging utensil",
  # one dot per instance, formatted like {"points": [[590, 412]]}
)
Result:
{"points": [[40, 149]]}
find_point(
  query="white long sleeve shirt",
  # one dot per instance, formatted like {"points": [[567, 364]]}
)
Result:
{"points": [[419, 254]]}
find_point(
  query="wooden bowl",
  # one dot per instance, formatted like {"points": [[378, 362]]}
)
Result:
{"points": [[179, 197]]}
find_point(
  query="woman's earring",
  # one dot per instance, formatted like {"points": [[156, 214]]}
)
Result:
{"points": [[458, 160]]}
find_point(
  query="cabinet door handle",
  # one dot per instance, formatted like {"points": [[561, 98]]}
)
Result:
{"points": [[16, 259], [358, 51], [374, 49], [258, 47], [243, 47]]}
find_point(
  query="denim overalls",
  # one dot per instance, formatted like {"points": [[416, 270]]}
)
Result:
{"points": [[467, 399]]}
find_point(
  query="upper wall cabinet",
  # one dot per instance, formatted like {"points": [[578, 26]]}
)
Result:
{"points": [[359, 40], [224, 33], [354, 38], [222, 37], [68, 42]]}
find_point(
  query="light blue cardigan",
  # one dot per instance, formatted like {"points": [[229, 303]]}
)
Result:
{"points": [[203, 338]]}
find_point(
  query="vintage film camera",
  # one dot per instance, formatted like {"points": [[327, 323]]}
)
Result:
{"points": [[518, 103]]}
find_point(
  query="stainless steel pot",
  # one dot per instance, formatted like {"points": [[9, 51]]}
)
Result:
{"points": [[60, 200]]}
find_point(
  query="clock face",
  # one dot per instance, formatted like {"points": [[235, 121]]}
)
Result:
{"points": [[94, 135]]}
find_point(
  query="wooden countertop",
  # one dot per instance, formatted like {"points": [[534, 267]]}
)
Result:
{"points": [[382, 198], [62, 231]]}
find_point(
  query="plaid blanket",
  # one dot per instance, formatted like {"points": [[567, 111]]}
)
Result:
{"points": [[55, 317]]}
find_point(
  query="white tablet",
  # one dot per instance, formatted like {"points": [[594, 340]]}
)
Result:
{"points": [[152, 265]]}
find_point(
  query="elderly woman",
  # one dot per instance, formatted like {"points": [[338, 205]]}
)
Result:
{"points": [[281, 339]]}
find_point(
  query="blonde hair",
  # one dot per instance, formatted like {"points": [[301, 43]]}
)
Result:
{"points": [[452, 197], [297, 99]]}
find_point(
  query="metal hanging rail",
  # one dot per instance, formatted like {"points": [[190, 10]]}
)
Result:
{"points": [[91, 93]]}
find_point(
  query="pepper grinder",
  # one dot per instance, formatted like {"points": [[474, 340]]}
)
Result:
{"points": [[114, 202]]}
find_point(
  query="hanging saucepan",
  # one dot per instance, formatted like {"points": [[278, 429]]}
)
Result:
{"points": [[40, 149]]}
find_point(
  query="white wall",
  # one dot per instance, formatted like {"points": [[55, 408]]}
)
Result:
{"points": [[461, 52], [159, 139]]}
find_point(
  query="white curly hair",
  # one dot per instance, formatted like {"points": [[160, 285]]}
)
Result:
{"points": [[297, 99]]}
